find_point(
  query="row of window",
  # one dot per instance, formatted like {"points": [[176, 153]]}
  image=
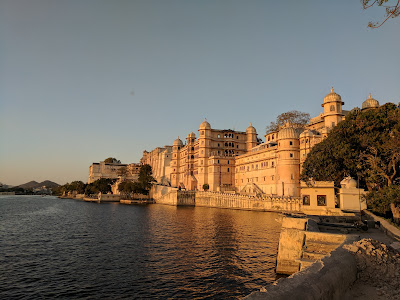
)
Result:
{"points": [[321, 200]]}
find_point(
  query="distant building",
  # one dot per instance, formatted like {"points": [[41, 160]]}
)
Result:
{"points": [[113, 171]]}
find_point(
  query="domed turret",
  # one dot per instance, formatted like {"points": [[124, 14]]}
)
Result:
{"points": [[251, 129], [178, 142], [191, 136], [251, 140], [205, 124], [288, 133], [370, 103], [333, 113], [332, 97]]}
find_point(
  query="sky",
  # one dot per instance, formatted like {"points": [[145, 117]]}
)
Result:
{"points": [[81, 81]]}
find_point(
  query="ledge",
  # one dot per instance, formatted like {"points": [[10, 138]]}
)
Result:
{"points": [[386, 227]]}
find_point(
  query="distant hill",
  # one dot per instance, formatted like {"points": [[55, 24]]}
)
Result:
{"points": [[35, 184]]}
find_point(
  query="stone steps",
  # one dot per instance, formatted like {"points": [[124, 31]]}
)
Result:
{"points": [[319, 247], [305, 263], [312, 255]]}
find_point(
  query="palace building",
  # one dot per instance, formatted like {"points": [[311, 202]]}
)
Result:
{"points": [[229, 160]]}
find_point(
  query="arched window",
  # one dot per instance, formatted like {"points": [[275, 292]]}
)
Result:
{"points": [[228, 169], [192, 148], [332, 107], [192, 156], [226, 144], [228, 162]]}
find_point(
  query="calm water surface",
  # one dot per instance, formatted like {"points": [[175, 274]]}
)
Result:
{"points": [[62, 248]]}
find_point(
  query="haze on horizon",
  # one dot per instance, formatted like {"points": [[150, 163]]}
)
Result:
{"points": [[84, 80]]}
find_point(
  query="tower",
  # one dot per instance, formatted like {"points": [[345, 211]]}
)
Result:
{"points": [[204, 153], [251, 140], [175, 162], [332, 109], [288, 164]]}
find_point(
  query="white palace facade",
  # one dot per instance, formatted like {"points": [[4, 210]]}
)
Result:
{"points": [[229, 160]]}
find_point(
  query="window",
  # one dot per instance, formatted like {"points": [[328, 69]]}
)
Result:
{"points": [[228, 162], [202, 133], [272, 177], [237, 137], [192, 148], [218, 161], [291, 154], [219, 135], [228, 169], [306, 199], [291, 176], [333, 124], [272, 164], [290, 143], [332, 107], [321, 200]]}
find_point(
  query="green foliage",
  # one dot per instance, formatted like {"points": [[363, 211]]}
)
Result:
{"points": [[206, 187], [102, 185], [112, 160], [379, 201], [145, 179], [366, 144], [293, 117]]}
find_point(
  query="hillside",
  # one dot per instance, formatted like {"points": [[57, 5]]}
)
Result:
{"points": [[35, 184]]}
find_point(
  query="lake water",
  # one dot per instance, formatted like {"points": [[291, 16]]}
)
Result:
{"points": [[62, 248]]}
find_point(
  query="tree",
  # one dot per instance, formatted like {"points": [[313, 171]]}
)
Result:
{"points": [[77, 186], [293, 117], [102, 185], [112, 160], [365, 145], [392, 11], [145, 179]]}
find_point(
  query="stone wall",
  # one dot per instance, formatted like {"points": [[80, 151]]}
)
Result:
{"points": [[235, 201]]}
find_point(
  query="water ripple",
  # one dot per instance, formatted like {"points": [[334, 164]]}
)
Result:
{"points": [[58, 248]]}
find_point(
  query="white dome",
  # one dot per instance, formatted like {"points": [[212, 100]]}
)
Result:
{"points": [[251, 129], [348, 182], [370, 103], [332, 97], [177, 142], [205, 124], [191, 135], [288, 133]]}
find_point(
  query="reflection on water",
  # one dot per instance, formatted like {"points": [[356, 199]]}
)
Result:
{"points": [[64, 248]]}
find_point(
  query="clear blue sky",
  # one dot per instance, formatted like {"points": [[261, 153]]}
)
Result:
{"points": [[84, 80]]}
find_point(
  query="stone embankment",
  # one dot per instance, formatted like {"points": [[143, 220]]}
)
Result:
{"points": [[340, 267]]}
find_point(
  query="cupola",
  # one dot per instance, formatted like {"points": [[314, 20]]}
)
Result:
{"points": [[370, 103], [205, 124]]}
